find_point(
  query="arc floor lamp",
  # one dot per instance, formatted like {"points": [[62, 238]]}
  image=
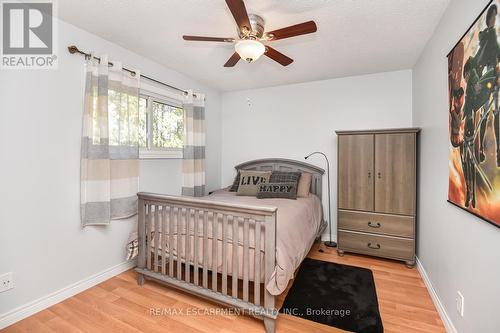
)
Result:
{"points": [[328, 243]]}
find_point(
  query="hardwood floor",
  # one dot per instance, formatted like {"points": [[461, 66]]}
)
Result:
{"points": [[120, 305]]}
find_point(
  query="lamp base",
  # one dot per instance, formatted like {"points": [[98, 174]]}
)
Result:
{"points": [[330, 244]]}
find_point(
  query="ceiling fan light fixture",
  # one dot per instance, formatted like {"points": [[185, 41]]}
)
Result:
{"points": [[249, 49], [252, 36]]}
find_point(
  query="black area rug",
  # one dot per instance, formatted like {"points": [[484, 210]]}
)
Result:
{"points": [[336, 295]]}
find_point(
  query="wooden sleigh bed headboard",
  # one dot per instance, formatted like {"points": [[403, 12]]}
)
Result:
{"points": [[283, 164]]}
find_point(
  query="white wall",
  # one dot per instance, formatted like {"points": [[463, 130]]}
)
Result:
{"points": [[458, 250], [41, 240], [292, 121]]}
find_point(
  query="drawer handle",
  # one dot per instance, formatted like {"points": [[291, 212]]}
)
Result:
{"points": [[377, 247], [377, 225], [379, 175]]}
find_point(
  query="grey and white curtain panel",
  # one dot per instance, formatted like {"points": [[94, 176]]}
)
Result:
{"points": [[193, 164], [109, 149]]}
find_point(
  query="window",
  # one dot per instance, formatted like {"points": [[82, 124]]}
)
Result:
{"points": [[122, 119], [122, 115], [161, 123], [155, 122]]}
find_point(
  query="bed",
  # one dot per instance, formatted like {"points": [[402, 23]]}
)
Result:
{"points": [[235, 250]]}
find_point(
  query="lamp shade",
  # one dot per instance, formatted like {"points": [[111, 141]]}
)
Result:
{"points": [[250, 50]]}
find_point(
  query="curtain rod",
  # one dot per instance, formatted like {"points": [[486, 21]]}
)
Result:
{"points": [[73, 49]]}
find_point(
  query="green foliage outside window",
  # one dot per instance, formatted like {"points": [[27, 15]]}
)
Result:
{"points": [[167, 126], [128, 122], [123, 115]]}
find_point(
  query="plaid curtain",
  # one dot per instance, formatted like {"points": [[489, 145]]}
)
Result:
{"points": [[193, 164], [109, 151]]}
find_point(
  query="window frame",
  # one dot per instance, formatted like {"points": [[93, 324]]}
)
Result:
{"points": [[149, 152]]}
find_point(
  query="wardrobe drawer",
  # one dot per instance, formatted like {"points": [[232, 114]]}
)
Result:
{"points": [[394, 225], [383, 246]]}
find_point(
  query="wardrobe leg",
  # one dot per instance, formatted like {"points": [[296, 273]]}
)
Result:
{"points": [[410, 263]]}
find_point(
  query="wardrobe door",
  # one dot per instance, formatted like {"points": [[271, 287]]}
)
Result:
{"points": [[355, 173], [395, 170]]}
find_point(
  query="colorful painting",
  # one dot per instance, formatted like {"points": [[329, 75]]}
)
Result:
{"points": [[474, 119]]}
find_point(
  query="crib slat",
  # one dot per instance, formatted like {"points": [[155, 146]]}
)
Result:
{"points": [[164, 240], [215, 244], [235, 258], [156, 229], [205, 249], [195, 243], [148, 236], [141, 237], [270, 258], [187, 250], [246, 222], [224, 254], [256, 275], [179, 243], [171, 241]]}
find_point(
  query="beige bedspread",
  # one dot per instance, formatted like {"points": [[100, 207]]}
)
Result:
{"points": [[298, 222]]}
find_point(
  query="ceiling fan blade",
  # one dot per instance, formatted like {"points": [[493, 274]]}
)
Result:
{"points": [[292, 31], [237, 8], [278, 56], [233, 60], [208, 39]]}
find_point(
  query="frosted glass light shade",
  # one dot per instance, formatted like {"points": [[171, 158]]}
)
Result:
{"points": [[250, 50]]}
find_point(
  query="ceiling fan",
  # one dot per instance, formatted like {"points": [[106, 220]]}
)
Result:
{"points": [[249, 44]]}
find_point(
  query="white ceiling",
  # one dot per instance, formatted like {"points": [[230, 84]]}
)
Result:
{"points": [[354, 36]]}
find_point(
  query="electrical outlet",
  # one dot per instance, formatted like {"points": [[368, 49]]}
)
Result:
{"points": [[460, 303], [6, 281]]}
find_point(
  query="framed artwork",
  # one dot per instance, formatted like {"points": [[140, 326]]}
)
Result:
{"points": [[474, 118]]}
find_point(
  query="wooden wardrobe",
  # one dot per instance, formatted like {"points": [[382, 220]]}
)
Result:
{"points": [[376, 199]]}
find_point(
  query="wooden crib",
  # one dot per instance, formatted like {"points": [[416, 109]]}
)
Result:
{"points": [[183, 262]]}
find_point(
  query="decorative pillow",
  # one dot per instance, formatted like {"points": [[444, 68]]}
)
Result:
{"points": [[284, 177], [250, 180], [236, 183], [304, 185], [278, 190]]}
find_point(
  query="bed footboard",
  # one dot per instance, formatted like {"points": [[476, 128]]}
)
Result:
{"points": [[199, 229]]}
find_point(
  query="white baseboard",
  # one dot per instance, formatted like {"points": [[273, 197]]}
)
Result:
{"points": [[448, 324], [44, 302]]}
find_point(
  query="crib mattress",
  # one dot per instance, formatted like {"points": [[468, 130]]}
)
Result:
{"points": [[298, 222]]}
